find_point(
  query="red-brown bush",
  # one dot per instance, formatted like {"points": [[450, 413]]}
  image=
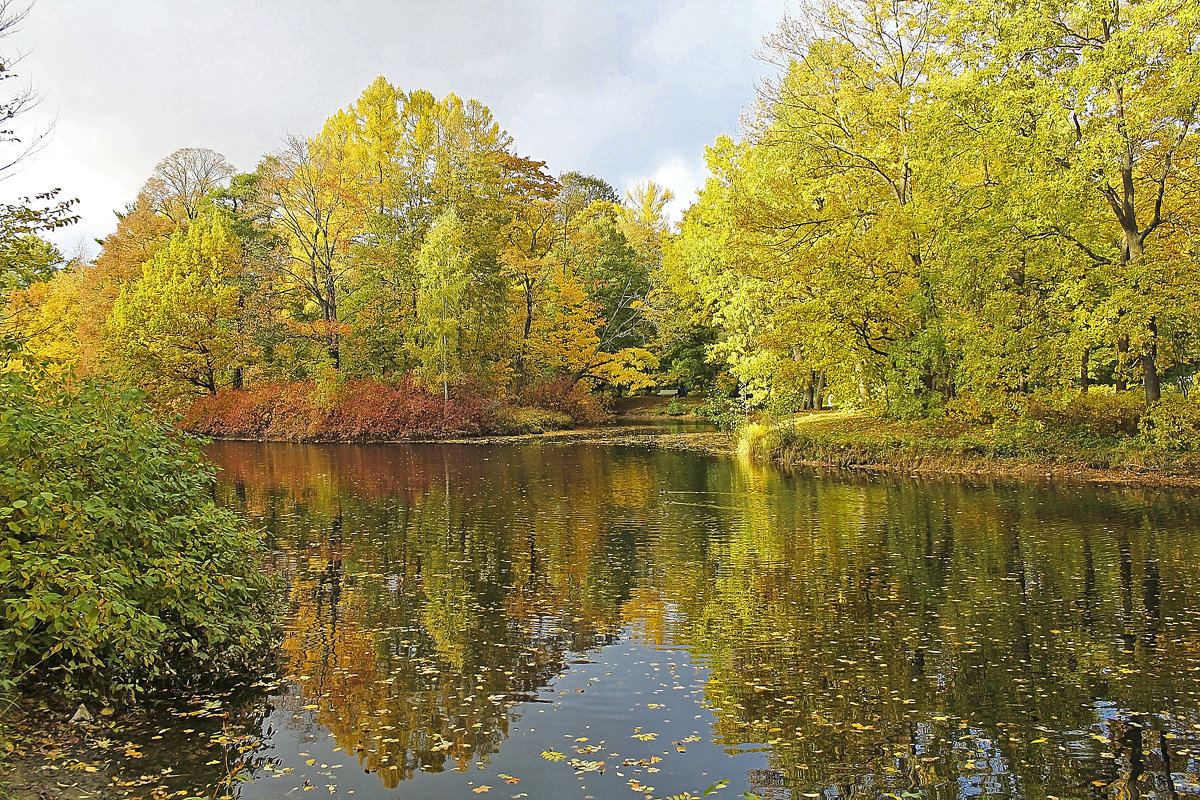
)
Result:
{"points": [[567, 397], [356, 411]]}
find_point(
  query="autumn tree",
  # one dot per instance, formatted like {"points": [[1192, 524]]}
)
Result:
{"points": [[40, 308], [25, 258], [139, 235], [530, 234], [442, 265], [174, 330], [183, 180], [809, 237], [417, 157], [579, 191], [1110, 90], [310, 189]]}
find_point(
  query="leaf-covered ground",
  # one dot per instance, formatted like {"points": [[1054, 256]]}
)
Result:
{"points": [[46, 757]]}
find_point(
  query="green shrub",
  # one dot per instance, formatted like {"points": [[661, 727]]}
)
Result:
{"points": [[1095, 412], [676, 408], [969, 408], [1173, 423], [117, 570], [726, 413]]}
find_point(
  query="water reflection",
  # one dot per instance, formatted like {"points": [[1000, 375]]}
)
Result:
{"points": [[836, 637]]}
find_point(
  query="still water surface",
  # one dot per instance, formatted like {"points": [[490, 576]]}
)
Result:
{"points": [[558, 621]]}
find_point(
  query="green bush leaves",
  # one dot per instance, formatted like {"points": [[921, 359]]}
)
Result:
{"points": [[117, 571]]}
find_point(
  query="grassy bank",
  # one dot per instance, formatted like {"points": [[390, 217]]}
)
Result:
{"points": [[659, 407], [1026, 447]]}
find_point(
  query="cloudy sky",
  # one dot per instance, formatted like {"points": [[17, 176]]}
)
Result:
{"points": [[627, 90]]}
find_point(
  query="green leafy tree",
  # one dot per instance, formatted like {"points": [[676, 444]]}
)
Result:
{"points": [[1109, 92], [442, 265], [174, 331]]}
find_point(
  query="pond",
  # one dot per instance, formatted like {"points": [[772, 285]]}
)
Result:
{"points": [[591, 621]]}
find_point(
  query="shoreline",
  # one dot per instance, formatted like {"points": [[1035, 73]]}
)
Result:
{"points": [[927, 463], [1013, 469], [858, 443], [618, 428]]}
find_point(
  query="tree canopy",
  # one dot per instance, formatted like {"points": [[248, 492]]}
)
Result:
{"points": [[933, 205]]}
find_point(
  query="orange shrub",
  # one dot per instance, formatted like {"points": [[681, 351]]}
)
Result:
{"points": [[361, 411]]}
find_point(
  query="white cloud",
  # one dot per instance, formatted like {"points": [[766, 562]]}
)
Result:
{"points": [[615, 88], [682, 176]]}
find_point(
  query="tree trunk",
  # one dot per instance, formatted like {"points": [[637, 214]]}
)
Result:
{"points": [[1122, 357], [445, 363], [1135, 246], [331, 318], [820, 392], [237, 371], [1150, 367], [808, 391]]}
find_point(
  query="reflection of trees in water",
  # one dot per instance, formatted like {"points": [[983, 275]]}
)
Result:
{"points": [[417, 622], [936, 640], [885, 636]]}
